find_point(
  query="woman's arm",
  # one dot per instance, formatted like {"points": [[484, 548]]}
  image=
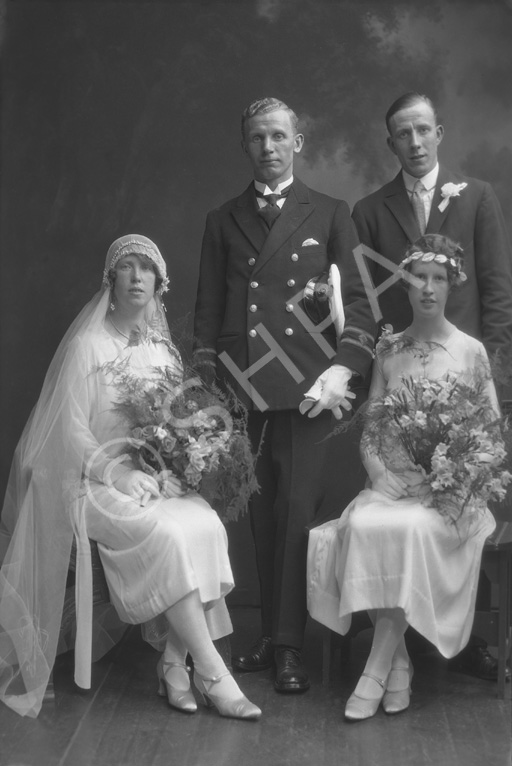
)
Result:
{"points": [[382, 480]]}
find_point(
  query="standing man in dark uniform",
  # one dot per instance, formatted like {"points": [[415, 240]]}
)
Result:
{"points": [[259, 252], [427, 197]]}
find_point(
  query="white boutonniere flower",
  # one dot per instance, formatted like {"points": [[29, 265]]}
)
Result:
{"points": [[447, 192]]}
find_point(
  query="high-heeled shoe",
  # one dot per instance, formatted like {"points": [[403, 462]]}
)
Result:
{"points": [[240, 707], [358, 708], [396, 701], [181, 699]]}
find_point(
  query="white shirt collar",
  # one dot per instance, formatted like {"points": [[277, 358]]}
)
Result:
{"points": [[263, 188], [428, 181]]}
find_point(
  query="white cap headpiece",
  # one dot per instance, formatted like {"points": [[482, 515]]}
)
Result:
{"points": [[138, 245]]}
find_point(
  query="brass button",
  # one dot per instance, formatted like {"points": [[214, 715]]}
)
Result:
{"points": [[288, 331], [295, 257], [252, 333], [291, 283], [289, 306], [253, 285], [253, 307], [251, 261]]}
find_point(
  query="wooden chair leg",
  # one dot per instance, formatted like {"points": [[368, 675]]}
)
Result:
{"points": [[223, 646], [49, 695], [326, 656], [504, 622]]}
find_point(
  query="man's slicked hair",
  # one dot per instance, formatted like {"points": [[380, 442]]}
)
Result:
{"points": [[264, 106], [404, 102]]}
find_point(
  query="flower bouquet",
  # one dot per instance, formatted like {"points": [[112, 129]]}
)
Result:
{"points": [[447, 431], [181, 427]]}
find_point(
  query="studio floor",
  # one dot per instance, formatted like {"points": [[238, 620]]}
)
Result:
{"points": [[454, 720]]}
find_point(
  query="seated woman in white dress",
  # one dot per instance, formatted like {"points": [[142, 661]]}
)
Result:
{"points": [[164, 552], [390, 552]]}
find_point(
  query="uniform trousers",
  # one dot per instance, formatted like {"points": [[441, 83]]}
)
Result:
{"points": [[305, 477]]}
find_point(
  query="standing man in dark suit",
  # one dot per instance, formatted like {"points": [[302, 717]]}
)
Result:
{"points": [[427, 197], [259, 252]]}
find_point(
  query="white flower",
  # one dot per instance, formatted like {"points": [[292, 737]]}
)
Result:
{"points": [[420, 419], [448, 191]]}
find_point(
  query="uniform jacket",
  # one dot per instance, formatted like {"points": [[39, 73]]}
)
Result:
{"points": [[249, 312], [483, 306]]}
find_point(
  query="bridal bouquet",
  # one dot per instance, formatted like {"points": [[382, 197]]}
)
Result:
{"points": [[183, 428], [448, 432]]}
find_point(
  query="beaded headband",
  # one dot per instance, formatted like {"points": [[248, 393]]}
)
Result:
{"points": [[437, 258], [138, 245]]}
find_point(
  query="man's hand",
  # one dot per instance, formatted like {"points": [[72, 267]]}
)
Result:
{"points": [[333, 383]]}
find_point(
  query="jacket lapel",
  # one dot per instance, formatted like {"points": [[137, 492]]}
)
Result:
{"points": [[398, 203], [247, 218], [296, 209], [436, 218]]}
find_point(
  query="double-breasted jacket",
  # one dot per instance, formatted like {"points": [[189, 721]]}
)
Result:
{"points": [[250, 319]]}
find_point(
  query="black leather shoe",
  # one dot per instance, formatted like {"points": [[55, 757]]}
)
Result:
{"points": [[290, 675], [476, 661], [261, 656]]}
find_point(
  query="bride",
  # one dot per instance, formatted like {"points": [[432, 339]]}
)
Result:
{"points": [[164, 552], [391, 552]]}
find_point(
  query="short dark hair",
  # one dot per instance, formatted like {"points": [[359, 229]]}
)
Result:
{"points": [[265, 105], [405, 101], [436, 243]]}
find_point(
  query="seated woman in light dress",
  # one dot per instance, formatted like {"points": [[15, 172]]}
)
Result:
{"points": [[391, 553], [165, 560]]}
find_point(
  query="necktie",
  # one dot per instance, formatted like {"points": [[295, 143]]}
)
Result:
{"points": [[271, 210], [419, 207]]}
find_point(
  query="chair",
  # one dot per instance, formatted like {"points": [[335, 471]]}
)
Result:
{"points": [[494, 625], [100, 597]]}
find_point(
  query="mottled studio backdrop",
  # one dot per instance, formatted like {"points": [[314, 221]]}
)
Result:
{"points": [[124, 116]]}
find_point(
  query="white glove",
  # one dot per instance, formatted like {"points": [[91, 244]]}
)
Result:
{"points": [[329, 392]]}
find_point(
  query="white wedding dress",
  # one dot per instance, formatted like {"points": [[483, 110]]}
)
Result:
{"points": [[384, 553], [59, 492], [154, 555]]}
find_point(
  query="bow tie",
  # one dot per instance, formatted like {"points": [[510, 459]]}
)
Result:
{"points": [[271, 210], [272, 198]]}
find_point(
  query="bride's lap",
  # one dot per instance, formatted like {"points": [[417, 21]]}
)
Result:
{"points": [[117, 521]]}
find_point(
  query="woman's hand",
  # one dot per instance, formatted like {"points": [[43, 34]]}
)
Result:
{"points": [[388, 483], [137, 484], [418, 486], [383, 480], [171, 485]]}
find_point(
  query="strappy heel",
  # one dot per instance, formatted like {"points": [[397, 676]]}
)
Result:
{"points": [[396, 701], [181, 699], [358, 708], [237, 708]]}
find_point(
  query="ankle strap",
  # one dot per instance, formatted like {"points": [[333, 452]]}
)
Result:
{"points": [[166, 664], [215, 679], [381, 683]]}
